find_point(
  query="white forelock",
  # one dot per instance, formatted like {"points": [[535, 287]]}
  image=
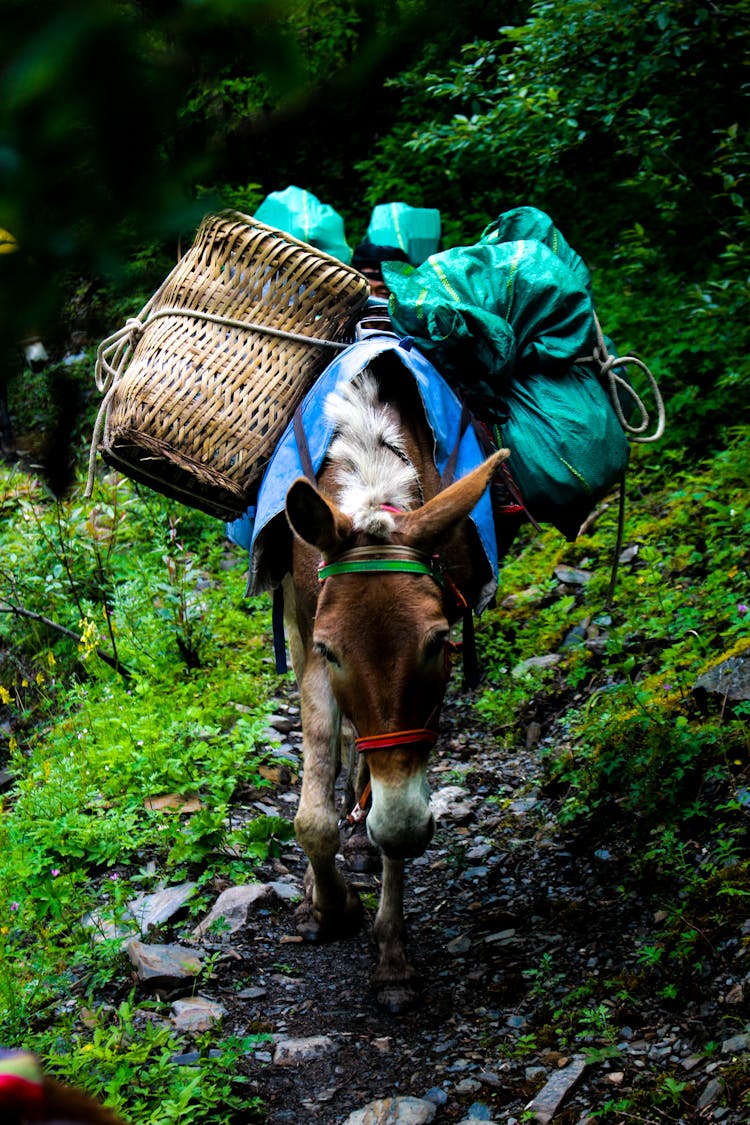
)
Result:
{"points": [[368, 451]]}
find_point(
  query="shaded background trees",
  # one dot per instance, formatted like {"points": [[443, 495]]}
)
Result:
{"points": [[120, 124]]}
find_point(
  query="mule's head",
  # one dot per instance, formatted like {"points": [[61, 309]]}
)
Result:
{"points": [[383, 629]]}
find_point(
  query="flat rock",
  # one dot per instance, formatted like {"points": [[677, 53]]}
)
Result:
{"points": [[282, 724], [572, 575], [196, 1013], [549, 1099], [730, 679], [231, 909], [548, 661], [461, 944], [394, 1111], [477, 1112], [163, 964], [294, 1052], [736, 1044], [152, 910], [710, 1094], [451, 801]]}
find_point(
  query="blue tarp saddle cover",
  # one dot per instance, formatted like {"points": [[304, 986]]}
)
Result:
{"points": [[264, 529]]}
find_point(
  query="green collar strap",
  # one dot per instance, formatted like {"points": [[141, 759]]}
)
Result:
{"points": [[389, 558]]}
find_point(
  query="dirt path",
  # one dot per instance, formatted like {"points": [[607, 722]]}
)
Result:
{"points": [[528, 946]]}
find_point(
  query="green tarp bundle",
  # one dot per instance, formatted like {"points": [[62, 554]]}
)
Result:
{"points": [[300, 213], [506, 321], [415, 230]]}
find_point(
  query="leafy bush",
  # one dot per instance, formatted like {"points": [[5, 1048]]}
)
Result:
{"points": [[641, 743], [585, 111], [129, 1060]]}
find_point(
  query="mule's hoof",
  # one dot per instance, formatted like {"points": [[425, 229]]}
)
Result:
{"points": [[314, 928], [360, 854], [396, 999], [309, 928]]}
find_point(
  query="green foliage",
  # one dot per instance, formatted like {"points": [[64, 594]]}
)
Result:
{"points": [[590, 103], [127, 1059], [544, 979], [640, 740], [134, 685]]}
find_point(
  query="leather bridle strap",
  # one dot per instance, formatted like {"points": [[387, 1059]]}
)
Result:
{"points": [[384, 742], [302, 447], [376, 566], [393, 558], [359, 812], [392, 739]]}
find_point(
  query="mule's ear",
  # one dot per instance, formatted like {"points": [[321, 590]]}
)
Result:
{"points": [[315, 519], [436, 520]]}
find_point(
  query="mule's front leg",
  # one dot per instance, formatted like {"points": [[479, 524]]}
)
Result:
{"points": [[331, 908], [395, 980]]}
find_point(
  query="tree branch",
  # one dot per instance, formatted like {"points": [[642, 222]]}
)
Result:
{"points": [[20, 611]]}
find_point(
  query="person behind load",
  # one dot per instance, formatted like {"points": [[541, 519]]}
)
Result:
{"points": [[416, 231], [368, 258], [396, 233]]}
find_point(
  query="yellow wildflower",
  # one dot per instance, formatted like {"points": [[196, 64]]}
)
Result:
{"points": [[89, 637], [4, 695]]}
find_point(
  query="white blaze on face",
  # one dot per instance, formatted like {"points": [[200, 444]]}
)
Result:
{"points": [[400, 820]]}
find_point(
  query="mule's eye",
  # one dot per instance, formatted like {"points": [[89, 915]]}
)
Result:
{"points": [[326, 653], [435, 644]]}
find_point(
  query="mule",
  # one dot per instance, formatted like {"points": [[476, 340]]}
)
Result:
{"points": [[383, 564]]}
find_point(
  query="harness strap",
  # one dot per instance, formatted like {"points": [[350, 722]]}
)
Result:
{"points": [[277, 613], [469, 658], [396, 738], [277, 624], [449, 471], [359, 812], [384, 742], [302, 447], [618, 547], [376, 566]]}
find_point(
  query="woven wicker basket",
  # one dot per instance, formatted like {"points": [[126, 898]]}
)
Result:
{"points": [[200, 386]]}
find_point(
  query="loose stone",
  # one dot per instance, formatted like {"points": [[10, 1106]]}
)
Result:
{"points": [[292, 1052], [164, 965], [197, 1013], [394, 1111]]}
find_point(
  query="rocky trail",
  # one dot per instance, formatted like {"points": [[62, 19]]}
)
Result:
{"points": [[508, 921]]}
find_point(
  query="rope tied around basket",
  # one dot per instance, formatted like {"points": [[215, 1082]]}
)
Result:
{"points": [[113, 354], [605, 364]]}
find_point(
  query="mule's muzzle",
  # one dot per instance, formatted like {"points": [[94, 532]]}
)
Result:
{"points": [[400, 821], [404, 841]]}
